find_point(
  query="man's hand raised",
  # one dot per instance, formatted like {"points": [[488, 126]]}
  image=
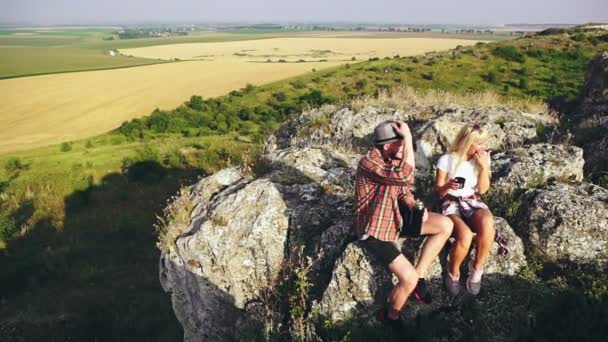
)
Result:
{"points": [[402, 129]]}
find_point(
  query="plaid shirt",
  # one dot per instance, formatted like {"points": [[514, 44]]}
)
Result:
{"points": [[379, 186]]}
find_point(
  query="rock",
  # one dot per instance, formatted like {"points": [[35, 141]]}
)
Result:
{"points": [[337, 127], [567, 222], [209, 186], [533, 165], [235, 250], [506, 127], [360, 284]]}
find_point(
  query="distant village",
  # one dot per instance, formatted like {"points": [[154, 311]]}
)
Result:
{"points": [[184, 30]]}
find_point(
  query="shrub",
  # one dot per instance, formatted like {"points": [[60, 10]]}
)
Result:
{"points": [[65, 147], [14, 165], [360, 84], [88, 144], [491, 77], [8, 226], [175, 159], [523, 83], [510, 53]]}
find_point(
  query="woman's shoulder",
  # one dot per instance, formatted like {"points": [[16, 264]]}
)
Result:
{"points": [[445, 160]]}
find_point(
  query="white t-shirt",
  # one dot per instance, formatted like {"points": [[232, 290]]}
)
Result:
{"points": [[466, 170]]}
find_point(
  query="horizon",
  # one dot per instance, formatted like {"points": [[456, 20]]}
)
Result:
{"points": [[391, 12]]}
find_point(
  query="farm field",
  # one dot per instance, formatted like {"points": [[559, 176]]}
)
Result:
{"points": [[43, 110], [297, 49]]}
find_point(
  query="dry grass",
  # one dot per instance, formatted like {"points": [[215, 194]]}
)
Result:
{"points": [[408, 97], [174, 220]]}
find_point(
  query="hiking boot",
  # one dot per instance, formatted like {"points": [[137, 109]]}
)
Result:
{"points": [[396, 325], [474, 280], [453, 285], [421, 293]]}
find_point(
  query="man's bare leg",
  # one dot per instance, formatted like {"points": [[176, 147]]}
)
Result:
{"points": [[438, 229], [408, 278]]}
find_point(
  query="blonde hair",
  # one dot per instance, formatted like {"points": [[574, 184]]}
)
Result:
{"points": [[467, 135]]}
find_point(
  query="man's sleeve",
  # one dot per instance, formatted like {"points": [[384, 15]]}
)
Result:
{"points": [[387, 174]]}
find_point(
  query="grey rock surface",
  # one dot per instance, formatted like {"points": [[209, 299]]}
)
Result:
{"points": [[568, 222]]}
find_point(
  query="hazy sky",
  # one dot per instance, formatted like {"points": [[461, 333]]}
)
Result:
{"points": [[398, 11]]}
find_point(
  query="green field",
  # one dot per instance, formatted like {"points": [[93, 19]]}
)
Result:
{"points": [[77, 253], [31, 52], [39, 52]]}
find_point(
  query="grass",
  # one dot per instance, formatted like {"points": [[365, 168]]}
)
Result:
{"points": [[82, 249]]}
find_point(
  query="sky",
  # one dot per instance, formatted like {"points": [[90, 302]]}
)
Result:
{"points": [[473, 12]]}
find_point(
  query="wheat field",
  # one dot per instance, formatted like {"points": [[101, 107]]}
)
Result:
{"points": [[49, 109], [332, 48]]}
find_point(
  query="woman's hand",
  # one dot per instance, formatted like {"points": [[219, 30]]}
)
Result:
{"points": [[483, 158], [452, 184]]}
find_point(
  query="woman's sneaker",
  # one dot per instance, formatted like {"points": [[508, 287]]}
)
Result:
{"points": [[474, 280], [452, 285]]}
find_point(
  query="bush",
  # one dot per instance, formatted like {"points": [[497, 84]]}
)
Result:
{"points": [[491, 77], [8, 226], [65, 147], [360, 84], [523, 83], [175, 159], [510, 53], [14, 165], [88, 144]]}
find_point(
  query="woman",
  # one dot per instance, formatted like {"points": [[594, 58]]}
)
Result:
{"points": [[468, 161]]}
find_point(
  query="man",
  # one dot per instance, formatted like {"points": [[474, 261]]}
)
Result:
{"points": [[384, 176]]}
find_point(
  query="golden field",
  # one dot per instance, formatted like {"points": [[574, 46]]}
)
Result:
{"points": [[43, 110], [297, 49]]}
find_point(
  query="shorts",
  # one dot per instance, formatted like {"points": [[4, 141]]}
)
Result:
{"points": [[463, 207], [386, 251]]}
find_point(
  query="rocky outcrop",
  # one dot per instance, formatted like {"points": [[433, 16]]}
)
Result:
{"points": [[507, 128], [360, 283], [567, 222], [232, 267], [533, 165]]}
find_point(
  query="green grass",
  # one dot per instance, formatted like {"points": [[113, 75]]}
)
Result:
{"points": [[85, 49], [84, 249]]}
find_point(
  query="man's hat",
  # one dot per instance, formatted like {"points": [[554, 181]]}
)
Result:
{"points": [[384, 133]]}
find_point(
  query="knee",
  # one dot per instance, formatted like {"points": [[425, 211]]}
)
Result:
{"points": [[465, 237], [409, 284], [447, 226]]}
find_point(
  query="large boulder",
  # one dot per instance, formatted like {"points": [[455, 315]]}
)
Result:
{"points": [[234, 249], [360, 283], [533, 165], [507, 128], [567, 222]]}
